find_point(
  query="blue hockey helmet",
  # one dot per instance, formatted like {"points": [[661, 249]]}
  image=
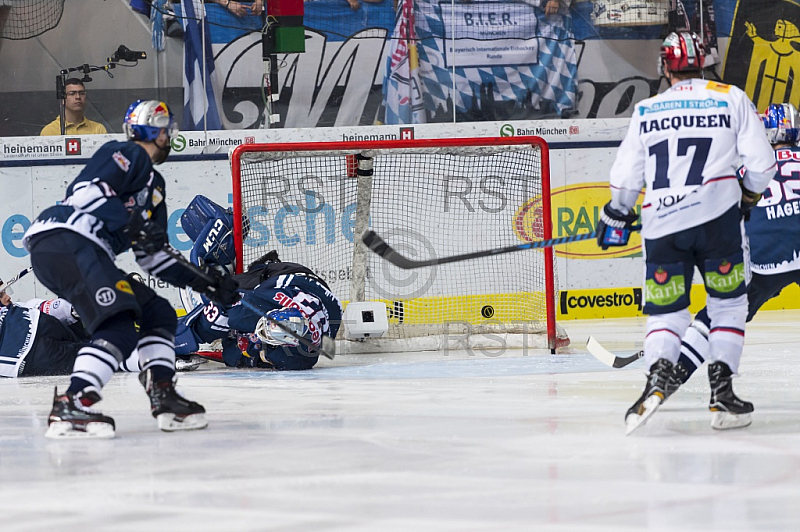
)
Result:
{"points": [[145, 119], [291, 318], [782, 123]]}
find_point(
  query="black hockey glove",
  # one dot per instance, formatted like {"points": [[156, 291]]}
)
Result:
{"points": [[220, 288], [146, 235], [614, 227], [749, 200]]}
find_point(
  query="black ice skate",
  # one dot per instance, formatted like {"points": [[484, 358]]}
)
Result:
{"points": [[172, 411], [71, 417], [664, 380], [728, 411]]}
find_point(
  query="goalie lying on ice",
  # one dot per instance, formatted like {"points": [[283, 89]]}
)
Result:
{"points": [[285, 291]]}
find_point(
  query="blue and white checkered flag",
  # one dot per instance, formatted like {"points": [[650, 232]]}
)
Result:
{"points": [[511, 49], [402, 89], [200, 111]]}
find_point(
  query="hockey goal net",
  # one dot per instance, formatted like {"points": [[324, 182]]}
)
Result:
{"points": [[427, 198]]}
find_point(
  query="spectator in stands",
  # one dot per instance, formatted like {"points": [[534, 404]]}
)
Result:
{"points": [[551, 7], [241, 9], [74, 104]]}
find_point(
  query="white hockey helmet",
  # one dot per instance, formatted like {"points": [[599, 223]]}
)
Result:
{"points": [[272, 334]]}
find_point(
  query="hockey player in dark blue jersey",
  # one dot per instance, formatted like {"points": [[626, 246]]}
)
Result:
{"points": [[772, 228], [117, 203], [285, 291], [42, 337], [36, 338]]}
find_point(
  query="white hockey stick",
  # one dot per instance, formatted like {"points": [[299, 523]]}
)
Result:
{"points": [[607, 357], [20, 275]]}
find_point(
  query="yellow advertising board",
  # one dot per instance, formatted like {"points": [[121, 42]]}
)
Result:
{"points": [[575, 210]]}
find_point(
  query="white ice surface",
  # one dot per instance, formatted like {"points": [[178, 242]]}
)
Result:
{"points": [[421, 442]]}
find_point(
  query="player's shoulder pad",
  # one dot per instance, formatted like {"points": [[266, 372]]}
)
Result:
{"points": [[135, 154], [716, 86]]}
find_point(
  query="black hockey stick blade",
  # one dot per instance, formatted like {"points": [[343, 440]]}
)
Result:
{"points": [[379, 246], [607, 357]]}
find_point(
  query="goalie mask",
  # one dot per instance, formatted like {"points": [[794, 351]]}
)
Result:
{"points": [[145, 119], [272, 334], [681, 52], [782, 123]]}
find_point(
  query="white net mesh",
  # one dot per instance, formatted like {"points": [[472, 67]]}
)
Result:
{"points": [[425, 202]]}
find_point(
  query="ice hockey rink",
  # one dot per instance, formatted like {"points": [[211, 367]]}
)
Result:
{"points": [[423, 442]]}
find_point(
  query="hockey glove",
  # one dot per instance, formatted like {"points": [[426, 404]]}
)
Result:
{"points": [[220, 288], [146, 235], [614, 227], [749, 200]]}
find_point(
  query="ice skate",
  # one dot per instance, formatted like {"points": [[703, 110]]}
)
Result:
{"points": [[173, 411], [189, 363], [664, 380], [71, 417], [728, 411]]}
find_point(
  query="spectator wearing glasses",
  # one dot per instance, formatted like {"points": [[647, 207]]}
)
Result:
{"points": [[74, 105]]}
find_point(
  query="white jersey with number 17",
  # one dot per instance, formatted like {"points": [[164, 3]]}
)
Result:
{"points": [[684, 145]]}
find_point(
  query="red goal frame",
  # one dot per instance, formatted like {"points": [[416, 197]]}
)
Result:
{"points": [[547, 225]]}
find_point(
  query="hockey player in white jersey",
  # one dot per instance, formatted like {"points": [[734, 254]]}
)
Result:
{"points": [[684, 146]]}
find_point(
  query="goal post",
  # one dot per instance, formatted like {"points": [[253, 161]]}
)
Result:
{"points": [[312, 201]]}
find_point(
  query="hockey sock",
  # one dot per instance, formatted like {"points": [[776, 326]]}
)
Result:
{"points": [[694, 347], [94, 366], [157, 353], [131, 364], [663, 338], [726, 337], [77, 384]]}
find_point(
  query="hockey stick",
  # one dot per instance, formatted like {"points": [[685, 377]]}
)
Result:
{"points": [[379, 246], [607, 357], [328, 347], [20, 275]]}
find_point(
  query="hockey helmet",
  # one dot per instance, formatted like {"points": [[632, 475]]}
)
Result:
{"points": [[682, 52], [145, 119], [272, 334], [782, 123]]}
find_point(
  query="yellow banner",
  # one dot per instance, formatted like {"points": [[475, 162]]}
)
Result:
{"points": [[575, 210]]}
